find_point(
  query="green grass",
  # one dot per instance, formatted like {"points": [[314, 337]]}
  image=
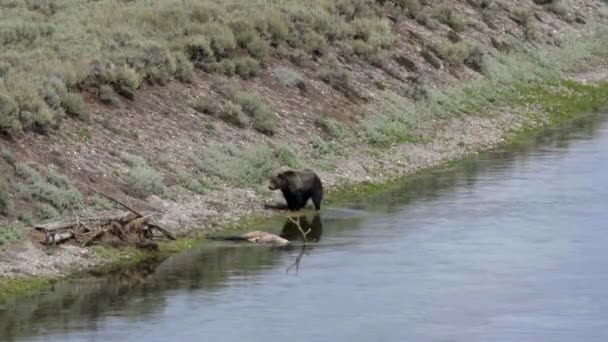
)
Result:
{"points": [[142, 180], [53, 194], [19, 286], [506, 78], [48, 53], [9, 233], [245, 168], [5, 197], [289, 77]]}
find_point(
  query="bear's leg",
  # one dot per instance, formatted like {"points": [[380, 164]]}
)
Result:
{"points": [[317, 197]]}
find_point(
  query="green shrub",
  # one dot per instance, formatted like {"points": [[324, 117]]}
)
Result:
{"points": [[144, 181], [412, 7], [333, 128], [9, 115], [246, 67], [521, 15], [233, 114], [289, 77], [453, 53], [199, 49], [53, 190], [561, 8], [9, 233], [46, 211], [74, 105], [244, 31], [276, 26], [225, 67], [319, 146], [338, 79], [107, 95], [258, 47], [240, 167], [224, 88], [427, 21], [221, 38], [260, 114], [198, 185], [446, 16], [184, 69], [207, 106], [287, 155], [133, 160], [5, 197]]}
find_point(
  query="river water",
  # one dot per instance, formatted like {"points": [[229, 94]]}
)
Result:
{"points": [[507, 246]]}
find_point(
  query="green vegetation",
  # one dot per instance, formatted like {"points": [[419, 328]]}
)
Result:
{"points": [[333, 128], [206, 105], [446, 16], [287, 155], [5, 197], [507, 80], [53, 193], [289, 77], [243, 167], [18, 286], [49, 53], [141, 179], [9, 233], [261, 116]]}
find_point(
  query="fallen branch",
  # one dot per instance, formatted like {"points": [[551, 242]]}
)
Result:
{"points": [[123, 204], [94, 237], [163, 230], [55, 226]]}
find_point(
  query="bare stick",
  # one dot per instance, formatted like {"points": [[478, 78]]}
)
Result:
{"points": [[123, 204]]}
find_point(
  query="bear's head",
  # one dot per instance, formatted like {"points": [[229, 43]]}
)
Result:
{"points": [[281, 180]]}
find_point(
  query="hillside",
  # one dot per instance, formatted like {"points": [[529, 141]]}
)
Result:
{"points": [[186, 107]]}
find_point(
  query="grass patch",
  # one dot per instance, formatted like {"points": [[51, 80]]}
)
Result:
{"points": [[446, 16], [142, 180], [9, 234], [19, 286], [508, 79], [48, 52], [243, 167], [289, 77], [53, 193], [262, 119], [5, 197]]}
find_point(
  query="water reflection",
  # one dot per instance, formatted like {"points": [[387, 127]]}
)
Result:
{"points": [[313, 229]]}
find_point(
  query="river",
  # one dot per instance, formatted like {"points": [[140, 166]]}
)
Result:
{"points": [[509, 245]]}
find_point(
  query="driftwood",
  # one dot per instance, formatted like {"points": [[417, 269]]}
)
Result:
{"points": [[130, 227]]}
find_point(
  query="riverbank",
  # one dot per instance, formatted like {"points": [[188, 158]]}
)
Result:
{"points": [[578, 100], [204, 174]]}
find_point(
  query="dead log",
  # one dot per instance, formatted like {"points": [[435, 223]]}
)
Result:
{"points": [[94, 237], [156, 226], [167, 233], [49, 227]]}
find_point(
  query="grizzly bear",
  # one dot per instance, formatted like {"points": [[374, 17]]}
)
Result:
{"points": [[298, 187]]}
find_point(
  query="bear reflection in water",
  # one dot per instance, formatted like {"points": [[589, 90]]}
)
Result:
{"points": [[313, 229]]}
